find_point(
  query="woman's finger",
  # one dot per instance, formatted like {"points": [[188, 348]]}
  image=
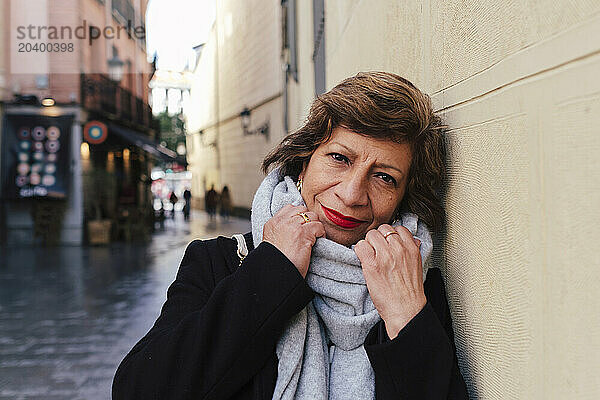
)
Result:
{"points": [[390, 235], [365, 253], [314, 228], [305, 217], [379, 243], [290, 210], [406, 237]]}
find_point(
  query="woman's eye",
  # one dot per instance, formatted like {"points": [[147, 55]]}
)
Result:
{"points": [[339, 157], [387, 178]]}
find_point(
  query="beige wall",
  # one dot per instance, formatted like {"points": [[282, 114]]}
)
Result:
{"points": [[243, 70], [374, 35], [518, 85]]}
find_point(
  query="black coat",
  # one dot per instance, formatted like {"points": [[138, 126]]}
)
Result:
{"points": [[216, 335]]}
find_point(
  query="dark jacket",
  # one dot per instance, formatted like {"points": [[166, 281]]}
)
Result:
{"points": [[216, 335]]}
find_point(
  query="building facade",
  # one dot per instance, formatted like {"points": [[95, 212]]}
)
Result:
{"points": [[239, 71], [77, 130]]}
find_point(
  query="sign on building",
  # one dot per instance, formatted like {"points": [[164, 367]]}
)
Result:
{"points": [[36, 156]]}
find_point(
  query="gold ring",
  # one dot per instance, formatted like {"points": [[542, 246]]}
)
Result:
{"points": [[390, 233], [303, 215]]}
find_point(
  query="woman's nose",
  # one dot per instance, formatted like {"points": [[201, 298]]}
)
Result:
{"points": [[352, 190]]}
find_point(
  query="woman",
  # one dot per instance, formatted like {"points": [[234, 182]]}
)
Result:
{"points": [[330, 302]]}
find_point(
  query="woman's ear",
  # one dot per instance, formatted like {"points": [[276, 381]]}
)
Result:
{"points": [[304, 165]]}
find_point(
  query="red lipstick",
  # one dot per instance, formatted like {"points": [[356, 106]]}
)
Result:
{"points": [[341, 219]]}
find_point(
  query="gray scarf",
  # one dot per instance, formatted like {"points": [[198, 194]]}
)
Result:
{"points": [[342, 311]]}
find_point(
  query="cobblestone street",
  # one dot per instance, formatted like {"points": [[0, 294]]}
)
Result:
{"points": [[68, 315]]}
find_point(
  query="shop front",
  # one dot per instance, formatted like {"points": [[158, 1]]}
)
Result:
{"points": [[116, 165]]}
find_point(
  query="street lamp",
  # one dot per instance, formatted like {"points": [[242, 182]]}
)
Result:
{"points": [[115, 67]]}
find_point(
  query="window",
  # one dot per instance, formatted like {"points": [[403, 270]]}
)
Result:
{"points": [[319, 45], [289, 35]]}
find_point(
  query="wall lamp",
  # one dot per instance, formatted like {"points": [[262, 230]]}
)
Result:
{"points": [[48, 102], [115, 66], [262, 129]]}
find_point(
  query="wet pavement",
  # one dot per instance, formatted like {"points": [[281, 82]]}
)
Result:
{"points": [[68, 315]]}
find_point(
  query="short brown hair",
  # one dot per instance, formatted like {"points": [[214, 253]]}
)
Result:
{"points": [[384, 106]]}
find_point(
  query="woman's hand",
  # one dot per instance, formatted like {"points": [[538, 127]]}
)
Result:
{"points": [[293, 236], [392, 269]]}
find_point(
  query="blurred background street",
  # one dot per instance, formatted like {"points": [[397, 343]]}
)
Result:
{"points": [[68, 315], [118, 115]]}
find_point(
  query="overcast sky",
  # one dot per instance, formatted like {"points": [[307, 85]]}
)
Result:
{"points": [[173, 27]]}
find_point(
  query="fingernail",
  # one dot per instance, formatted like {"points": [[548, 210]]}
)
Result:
{"points": [[417, 242]]}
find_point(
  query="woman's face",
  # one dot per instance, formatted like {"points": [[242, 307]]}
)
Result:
{"points": [[354, 183]]}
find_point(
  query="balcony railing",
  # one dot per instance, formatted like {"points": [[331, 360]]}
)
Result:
{"points": [[102, 95]]}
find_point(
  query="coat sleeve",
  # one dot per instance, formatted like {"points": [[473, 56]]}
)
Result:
{"points": [[211, 338], [419, 363]]}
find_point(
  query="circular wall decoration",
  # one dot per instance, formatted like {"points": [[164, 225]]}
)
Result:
{"points": [[25, 145], [51, 158], [35, 179], [52, 146], [38, 133], [23, 168], [23, 133], [50, 168], [38, 156], [38, 146], [21, 180], [53, 133], [95, 132], [36, 168], [48, 180], [23, 157]]}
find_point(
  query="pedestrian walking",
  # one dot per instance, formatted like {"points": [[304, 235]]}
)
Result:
{"points": [[173, 199], [187, 196], [225, 203], [211, 200]]}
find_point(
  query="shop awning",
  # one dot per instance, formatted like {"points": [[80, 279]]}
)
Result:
{"points": [[145, 143]]}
